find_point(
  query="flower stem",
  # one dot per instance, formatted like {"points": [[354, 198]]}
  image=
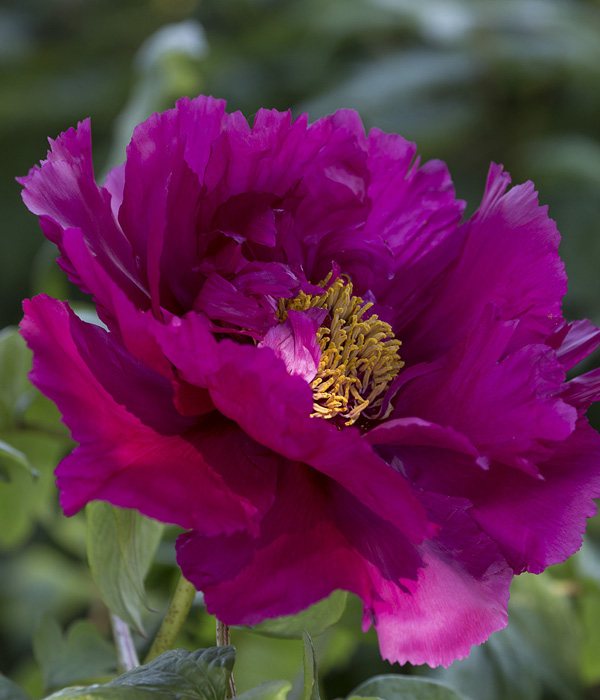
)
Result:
{"points": [[223, 639], [126, 653], [180, 605]]}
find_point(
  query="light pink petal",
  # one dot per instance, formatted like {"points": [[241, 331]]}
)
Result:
{"points": [[459, 599], [295, 342]]}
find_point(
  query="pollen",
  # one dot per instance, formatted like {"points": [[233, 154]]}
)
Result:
{"points": [[359, 353]]}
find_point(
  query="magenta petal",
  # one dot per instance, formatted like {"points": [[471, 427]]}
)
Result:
{"points": [[527, 286], [179, 474], [414, 209], [583, 391], [316, 538], [64, 193], [540, 522], [252, 387], [574, 341], [508, 405]]}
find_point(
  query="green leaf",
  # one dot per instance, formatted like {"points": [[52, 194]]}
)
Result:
{"points": [[15, 363], [11, 691], [175, 675], [536, 656], [315, 620], [10, 454], [83, 654], [121, 545], [394, 687], [25, 501], [271, 690], [311, 679]]}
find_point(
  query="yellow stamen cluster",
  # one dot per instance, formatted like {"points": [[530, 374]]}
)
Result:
{"points": [[359, 356]]}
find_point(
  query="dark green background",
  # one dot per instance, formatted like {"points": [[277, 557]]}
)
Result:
{"points": [[471, 81]]}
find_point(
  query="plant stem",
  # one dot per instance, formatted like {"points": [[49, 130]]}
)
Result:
{"points": [[180, 605], [223, 639], [126, 653]]}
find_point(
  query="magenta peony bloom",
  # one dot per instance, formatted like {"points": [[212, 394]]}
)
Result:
{"points": [[313, 365]]}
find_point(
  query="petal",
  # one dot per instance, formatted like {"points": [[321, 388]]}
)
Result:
{"points": [[415, 211], [136, 450], [540, 522], [63, 192], [315, 539], [251, 386], [535, 521], [582, 391], [295, 342], [506, 403], [510, 259], [459, 599], [574, 341]]}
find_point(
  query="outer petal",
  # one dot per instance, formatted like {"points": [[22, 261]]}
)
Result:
{"points": [[161, 198], [63, 192], [534, 521], [316, 538], [135, 449], [459, 598], [574, 341], [540, 522], [510, 259]]}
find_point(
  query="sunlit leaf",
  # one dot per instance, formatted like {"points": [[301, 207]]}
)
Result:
{"points": [[175, 675], [311, 679], [121, 545], [315, 620], [271, 690], [83, 654]]}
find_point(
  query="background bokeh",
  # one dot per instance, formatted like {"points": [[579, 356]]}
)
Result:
{"points": [[471, 81]]}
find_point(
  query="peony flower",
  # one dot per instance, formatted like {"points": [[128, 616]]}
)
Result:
{"points": [[313, 364]]}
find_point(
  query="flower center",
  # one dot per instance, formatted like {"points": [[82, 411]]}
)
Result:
{"points": [[359, 356]]}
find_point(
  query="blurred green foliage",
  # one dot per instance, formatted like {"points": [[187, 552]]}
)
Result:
{"points": [[514, 81]]}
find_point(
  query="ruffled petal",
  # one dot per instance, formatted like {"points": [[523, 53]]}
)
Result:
{"points": [[574, 341], [507, 403], [136, 450], [539, 522], [509, 259], [63, 192], [415, 211]]}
